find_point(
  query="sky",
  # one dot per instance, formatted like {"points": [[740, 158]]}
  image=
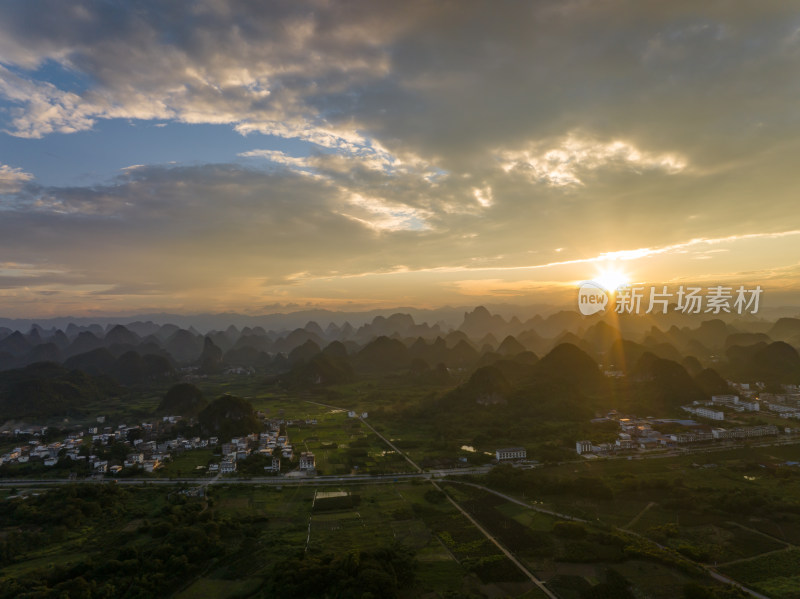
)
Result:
{"points": [[250, 157]]}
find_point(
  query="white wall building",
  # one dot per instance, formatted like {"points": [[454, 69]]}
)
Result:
{"points": [[307, 461], [511, 453], [710, 414], [705, 412]]}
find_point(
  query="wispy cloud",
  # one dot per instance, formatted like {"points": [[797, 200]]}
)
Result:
{"points": [[12, 179], [278, 157]]}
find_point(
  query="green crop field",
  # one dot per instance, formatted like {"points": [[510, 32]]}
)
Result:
{"points": [[734, 509], [775, 575]]}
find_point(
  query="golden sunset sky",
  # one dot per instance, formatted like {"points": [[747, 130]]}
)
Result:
{"points": [[240, 156]]}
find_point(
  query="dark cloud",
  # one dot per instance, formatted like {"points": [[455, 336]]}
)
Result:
{"points": [[449, 134]]}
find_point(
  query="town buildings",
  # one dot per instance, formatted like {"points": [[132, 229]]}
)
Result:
{"points": [[511, 453]]}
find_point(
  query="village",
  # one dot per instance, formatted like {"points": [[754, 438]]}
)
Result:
{"points": [[147, 447], [642, 434]]}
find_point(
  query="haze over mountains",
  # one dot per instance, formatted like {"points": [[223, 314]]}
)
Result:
{"points": [[487, 352], [96, 346], [292, 317]]}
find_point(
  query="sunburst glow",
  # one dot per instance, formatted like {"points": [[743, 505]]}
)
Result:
{"points": [[611, 279]]}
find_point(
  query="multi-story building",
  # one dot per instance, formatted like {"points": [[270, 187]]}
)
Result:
{"points": [[275, 466], [745, 432], [307, 461], [511, 453], [724, 399], [705, 412]]}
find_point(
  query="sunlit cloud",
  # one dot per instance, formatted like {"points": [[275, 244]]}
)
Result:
{"points": [[680, 247], [278, 157], [382, 216], [12, 179], [483, 196], [501, 288], [373, 150], [562, 164]]}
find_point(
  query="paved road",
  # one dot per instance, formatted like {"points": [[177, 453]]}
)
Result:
{"points": [[370, 427], [418, 474], [526, 504], [717, 576], [259, 480], [539, 583], [392, 445], [711, 571]]}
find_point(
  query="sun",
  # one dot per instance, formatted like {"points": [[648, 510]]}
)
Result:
{"points": [[611, 279]]}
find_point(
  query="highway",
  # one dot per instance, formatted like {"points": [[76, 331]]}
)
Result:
{"points": [[260, 480], [418, 474]]}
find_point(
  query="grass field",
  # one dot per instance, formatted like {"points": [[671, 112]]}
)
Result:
{"points": [[188, 463], [220, 589], [452, 555], [776, 575], [269, 523]]}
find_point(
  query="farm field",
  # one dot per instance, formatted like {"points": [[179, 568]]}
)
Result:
{"points": [[732, 510], [248, 532], [266, 525]]}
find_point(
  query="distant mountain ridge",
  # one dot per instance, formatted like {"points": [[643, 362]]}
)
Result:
{"points": [[326, 352]]}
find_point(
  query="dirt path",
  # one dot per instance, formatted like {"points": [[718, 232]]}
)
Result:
{"points": [[763, 534], [633, 522], [752, 557]]}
